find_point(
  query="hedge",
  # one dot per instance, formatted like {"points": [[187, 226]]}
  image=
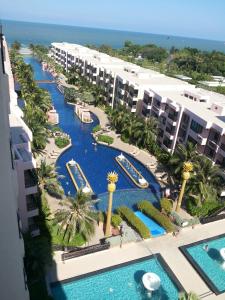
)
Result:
{"points": [[148, 209], [166, 205], [105, 139], [128, 215], [116, 220]]}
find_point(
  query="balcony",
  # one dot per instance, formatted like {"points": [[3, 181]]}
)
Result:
{"points": [[147, 105], [171, 121], [169, 133], [172, 117], [32, 206], [213, 145], [27, 158]]}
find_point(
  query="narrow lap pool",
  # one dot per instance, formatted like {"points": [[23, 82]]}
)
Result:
{"points": [[123, 282], [154, 228], [205, 257]]}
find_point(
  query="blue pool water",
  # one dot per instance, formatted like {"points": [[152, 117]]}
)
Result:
{"points": [[210, 262], [154, 228], [123, 283], [95, 161]]}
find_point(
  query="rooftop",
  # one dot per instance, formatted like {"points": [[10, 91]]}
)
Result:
{"points": [[202, 110]]}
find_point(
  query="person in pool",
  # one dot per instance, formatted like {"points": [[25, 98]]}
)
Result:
{"points": [[206, 247]]}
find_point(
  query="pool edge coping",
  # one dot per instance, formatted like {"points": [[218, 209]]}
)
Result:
{"points": [[158, 256], [196, 266]]}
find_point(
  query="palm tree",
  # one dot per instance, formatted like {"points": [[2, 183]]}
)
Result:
{"points": [[77, 217], [145, 132], [189, 296], [207, 183], [46, 173], [183, 154]]}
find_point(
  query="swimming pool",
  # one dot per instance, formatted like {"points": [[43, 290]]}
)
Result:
{"points": [[95, 161], [122, 282], [208, 262], [154, 228]]}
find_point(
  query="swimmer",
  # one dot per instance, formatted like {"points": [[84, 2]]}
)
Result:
{"points": [[206, 247]]}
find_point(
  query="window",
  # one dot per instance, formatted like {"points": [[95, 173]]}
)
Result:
{"points": [[209, 152], [196, 127]]}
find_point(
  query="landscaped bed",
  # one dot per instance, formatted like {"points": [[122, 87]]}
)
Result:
{"points": [[62, 142], [105, 139]]}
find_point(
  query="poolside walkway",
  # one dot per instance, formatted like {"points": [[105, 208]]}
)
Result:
{"points": [[166, 245], [51, 152]]}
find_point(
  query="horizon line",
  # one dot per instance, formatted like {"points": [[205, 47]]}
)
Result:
{"points": [[112, 29]]}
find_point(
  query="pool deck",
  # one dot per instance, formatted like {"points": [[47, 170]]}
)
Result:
{"points": [[167, 246]]}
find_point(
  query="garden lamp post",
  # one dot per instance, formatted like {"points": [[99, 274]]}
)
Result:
{"points": [[112, 179], [187, 168]]}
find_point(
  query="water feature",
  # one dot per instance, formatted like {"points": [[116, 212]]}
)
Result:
{"points": [[95, 161], [78, 177], [131, 171]]}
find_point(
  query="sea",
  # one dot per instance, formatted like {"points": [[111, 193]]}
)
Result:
{"points": [[45, 34]]}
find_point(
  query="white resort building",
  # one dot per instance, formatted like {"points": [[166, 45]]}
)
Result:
{"points": [[25, 164], [13, 280], [185, 113]]}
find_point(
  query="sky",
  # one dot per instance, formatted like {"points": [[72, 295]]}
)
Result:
{"points": [[189, 18]]}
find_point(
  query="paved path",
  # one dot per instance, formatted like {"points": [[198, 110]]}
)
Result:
{"points": [[166, 245]]}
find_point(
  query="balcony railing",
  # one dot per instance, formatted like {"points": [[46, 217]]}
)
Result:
{"points": [[31, 202], [172, 117]]}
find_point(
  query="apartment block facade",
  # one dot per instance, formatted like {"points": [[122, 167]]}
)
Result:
{"points": [[24, 162], [184, 112], [13, 283]]}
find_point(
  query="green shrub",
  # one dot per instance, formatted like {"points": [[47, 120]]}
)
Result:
{"points": [[148, 209], [116, 220], [166, 205], [204, 210], [55, 128], [105, 139], [96, 128], [62, 142], [128, 215]]}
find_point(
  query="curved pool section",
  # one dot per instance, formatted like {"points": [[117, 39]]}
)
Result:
{"points": [[95, 161]]}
